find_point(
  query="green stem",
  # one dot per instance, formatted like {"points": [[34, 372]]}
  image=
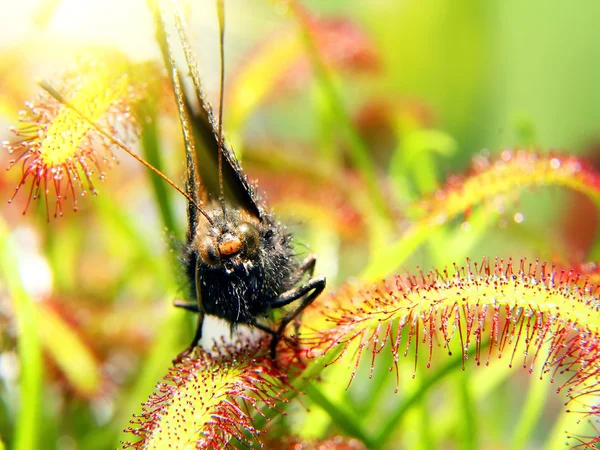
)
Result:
{"points": [[340, 417], [377, 386], [594, 253], [530, 415], [128, 229], [427, 441], [392, 256], [469, 415], [424, 417], [391, 424], [328, 149], [30, 354], [359, 153], [151, 152]]}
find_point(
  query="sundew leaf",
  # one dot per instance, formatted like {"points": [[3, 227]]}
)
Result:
{"points": [[78, 363], [207, 402], [536, 316], [59, 152], [491, 178], [509, 174]]}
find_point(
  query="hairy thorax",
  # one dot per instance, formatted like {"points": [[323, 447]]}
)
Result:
{"points": [[239, 265]]}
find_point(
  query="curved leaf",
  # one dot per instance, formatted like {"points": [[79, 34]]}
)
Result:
{"points": [[507, 175], [541, 318], [207, 401]]}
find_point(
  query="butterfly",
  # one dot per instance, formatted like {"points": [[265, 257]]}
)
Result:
{"points": [[238, 258]]}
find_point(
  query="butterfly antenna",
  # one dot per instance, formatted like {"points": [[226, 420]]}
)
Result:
{"points": [[221, 15], [63, 101]]}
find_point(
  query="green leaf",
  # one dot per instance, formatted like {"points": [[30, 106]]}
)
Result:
{"points": [[28, 346], [66, 348]]}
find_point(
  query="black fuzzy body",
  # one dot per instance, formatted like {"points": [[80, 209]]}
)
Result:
{"points": [[238, 258], [243, 287]]}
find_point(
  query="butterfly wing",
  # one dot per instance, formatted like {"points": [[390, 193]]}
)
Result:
{"points": [[201, 137], [236, 187], [237, 190]]}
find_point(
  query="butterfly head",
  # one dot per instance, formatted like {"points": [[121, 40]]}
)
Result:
{"points": [[229, 243]]}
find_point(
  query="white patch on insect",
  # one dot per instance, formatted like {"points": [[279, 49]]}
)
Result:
{"points": [[217, 330]]}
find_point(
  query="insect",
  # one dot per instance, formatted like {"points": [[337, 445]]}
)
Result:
{"points": [[238, 257]]}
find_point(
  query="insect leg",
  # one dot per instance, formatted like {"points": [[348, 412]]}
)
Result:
{"points": [[260, 326], [307, 292], [193, 307], [197, 337], [307, 266]]}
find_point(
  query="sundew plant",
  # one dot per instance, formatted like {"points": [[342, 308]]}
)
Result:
{"points": [[440, 158]]}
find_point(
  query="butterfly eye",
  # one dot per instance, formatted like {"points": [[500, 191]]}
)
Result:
{"points": [[209, 252], [249, 236]]}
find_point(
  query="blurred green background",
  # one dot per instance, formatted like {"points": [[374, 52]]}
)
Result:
{"points": [[93, 290]]}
